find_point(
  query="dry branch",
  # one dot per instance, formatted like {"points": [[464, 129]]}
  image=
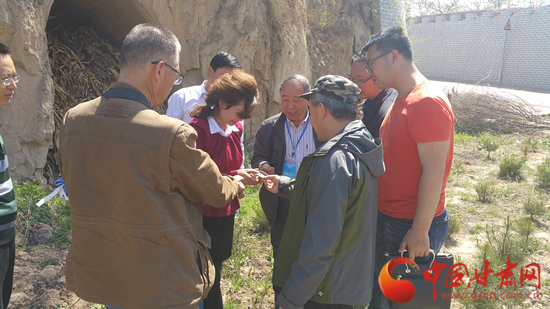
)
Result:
{"points": [[497, 112]]}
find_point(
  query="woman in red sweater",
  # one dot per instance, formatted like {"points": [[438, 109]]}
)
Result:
{"points": [[220, 133]]}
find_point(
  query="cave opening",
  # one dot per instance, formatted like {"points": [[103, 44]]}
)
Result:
{"points": [[84, 41]]}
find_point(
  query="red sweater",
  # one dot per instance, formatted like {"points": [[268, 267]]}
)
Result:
{"points": [[226, 151]]}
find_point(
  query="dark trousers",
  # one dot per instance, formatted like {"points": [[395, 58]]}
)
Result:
{"points": [[277, 234], [221, 232], [7, 263], [389, 235], [313, 305]]}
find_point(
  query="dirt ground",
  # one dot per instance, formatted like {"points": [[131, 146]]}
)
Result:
{"points": [[39, 274]]}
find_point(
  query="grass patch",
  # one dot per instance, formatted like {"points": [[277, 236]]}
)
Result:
{"points": [[476, 229], [54, 213], [463, 137], [251, 215], [528, 145], [494, 213], [48, 261]]}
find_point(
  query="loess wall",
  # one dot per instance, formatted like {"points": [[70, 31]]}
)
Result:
{"points": [[271, 38]]}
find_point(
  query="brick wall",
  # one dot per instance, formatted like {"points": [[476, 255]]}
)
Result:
{"points": [[474, 47]]}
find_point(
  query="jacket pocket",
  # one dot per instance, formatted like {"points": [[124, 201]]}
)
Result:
{"points": [[204, 261]]}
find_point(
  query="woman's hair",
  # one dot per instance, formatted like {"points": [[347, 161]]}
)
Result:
{"points": [[230, 89]]}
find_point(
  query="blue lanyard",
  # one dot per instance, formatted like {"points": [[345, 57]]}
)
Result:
{"points": [[290, 136]]}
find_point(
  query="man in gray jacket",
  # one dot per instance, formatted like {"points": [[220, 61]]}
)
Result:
{"points": [[326, 255]]}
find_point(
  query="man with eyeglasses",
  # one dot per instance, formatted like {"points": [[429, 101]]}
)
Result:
{"points": [[376, 101], [136, 183], [8, 205], [417, 137], [183, 101]]}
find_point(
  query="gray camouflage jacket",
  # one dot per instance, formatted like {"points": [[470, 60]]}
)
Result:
{"points": [[328, 245]]}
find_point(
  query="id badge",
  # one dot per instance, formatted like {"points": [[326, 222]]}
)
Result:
{"points": [[289, 170]]}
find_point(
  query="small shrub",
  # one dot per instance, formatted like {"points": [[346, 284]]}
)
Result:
{"points": [[529, 145], [534, 207], [510, 168], [489, 143], [485, 191], [543, 174], [454, 227]]}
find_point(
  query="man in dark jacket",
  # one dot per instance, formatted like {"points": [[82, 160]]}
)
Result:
{"points": [[377, 101], [282, 141], [277, 140], [326, 255]]}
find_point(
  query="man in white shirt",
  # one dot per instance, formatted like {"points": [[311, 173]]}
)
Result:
{"points": [[183, 101]]}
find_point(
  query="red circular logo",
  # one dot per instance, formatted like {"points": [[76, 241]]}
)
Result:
{"points": [[399, 291]]}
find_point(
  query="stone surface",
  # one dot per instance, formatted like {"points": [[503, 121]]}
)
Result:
{"points": [[22, 256], [19, 301], [27, 123], [271, 39], [50, 273], [41, 233]]}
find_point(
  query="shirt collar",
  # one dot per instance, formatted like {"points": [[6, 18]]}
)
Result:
{"points": [[203, 88], [301, 125], [126, 91], [215, 128]]}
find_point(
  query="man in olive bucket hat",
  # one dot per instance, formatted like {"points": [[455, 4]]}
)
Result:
{"points": [[326, 255]]}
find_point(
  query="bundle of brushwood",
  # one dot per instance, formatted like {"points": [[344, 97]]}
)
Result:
{"points": [[83, 66], [477, 112]]}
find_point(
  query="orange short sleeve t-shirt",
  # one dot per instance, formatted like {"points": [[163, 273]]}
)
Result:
{"points": [[421, 116]]}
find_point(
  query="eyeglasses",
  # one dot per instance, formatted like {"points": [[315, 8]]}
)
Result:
{"points": [[369, 63], [360, 81], [8, 80], [179, 78]]}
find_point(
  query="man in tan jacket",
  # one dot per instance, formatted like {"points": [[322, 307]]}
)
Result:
{"points": [[136, 181]]}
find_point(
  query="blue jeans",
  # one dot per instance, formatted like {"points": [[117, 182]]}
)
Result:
{"points": [[389, 235]]}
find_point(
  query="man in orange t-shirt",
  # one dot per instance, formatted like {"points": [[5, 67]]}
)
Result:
{"points": [[417, 137]]}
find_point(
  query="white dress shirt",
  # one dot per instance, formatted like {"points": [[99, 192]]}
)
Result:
{"points": [[183, 101], [306, 145], [215, 128]]}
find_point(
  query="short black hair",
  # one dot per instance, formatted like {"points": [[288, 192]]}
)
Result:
{"points": [[225, 59], [359, 57], [390, 39], [4, 49]]}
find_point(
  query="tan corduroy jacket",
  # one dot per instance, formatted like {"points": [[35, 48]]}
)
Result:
{"points": [[135, 182]]}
